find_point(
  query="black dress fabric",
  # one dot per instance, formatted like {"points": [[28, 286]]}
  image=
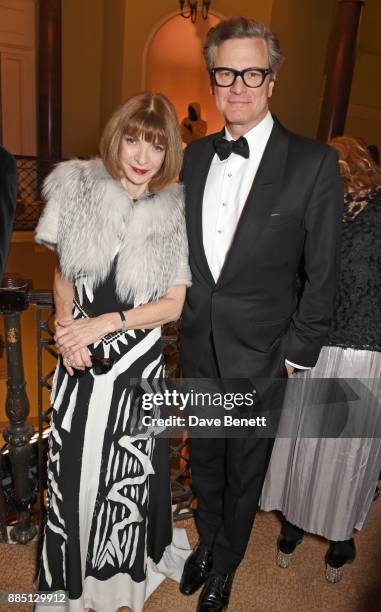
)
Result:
{"points": [[357, 319]]}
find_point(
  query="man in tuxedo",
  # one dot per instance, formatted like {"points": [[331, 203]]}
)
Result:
{"points": [[8, 191], [261, 203]]}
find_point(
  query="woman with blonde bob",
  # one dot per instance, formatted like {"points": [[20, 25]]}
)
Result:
{"points": [[325, 485], [117, 224]]}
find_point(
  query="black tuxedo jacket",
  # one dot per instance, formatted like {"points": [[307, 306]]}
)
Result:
{"points": [[8, 191], [254, 315]]}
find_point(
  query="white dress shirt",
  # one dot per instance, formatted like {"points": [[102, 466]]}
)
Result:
{"points": [[227, 188]]}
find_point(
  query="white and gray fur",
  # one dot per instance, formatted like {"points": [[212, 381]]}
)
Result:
{"points": [[89, 217]]}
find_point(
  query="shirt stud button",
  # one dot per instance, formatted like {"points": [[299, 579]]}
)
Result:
{"points": [[219, 231], [230, 175], [224, 204]]}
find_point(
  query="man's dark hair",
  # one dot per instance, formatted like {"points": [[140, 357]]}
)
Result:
{"points": [[240, 27]]}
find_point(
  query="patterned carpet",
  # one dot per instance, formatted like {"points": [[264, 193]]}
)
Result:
{"points": [[260, 586]]}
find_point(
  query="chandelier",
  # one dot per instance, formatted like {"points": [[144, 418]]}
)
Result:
{"points": [[189, 9]]}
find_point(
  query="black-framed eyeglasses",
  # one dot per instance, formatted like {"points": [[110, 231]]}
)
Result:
{"points": [[226, 77]]}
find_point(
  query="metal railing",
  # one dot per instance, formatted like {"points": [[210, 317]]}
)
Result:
{"points": [[31, 172]]}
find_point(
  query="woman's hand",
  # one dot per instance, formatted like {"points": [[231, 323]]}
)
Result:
{"points": [[72, 336], [77, 361]]}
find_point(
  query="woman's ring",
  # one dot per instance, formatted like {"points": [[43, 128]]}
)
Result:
{"points": [[68, 361]]}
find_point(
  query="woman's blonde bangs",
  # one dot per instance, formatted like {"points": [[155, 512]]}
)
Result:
{"points": [[147, 126], [152, 118]]}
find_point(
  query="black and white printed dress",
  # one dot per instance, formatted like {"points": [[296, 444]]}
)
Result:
{"points": [[108, 540]]}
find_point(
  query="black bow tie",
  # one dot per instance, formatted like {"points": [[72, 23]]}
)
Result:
{"points": [[225, 147]]}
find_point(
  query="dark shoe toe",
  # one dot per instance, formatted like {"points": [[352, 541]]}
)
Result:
{"points": [[215, 595], [196, 570]]}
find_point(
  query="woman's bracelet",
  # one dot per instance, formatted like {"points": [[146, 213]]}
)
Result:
{"points": [[124, 326]]}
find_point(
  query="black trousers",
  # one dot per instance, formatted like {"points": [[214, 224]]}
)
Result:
{"points": [[227, 478]]}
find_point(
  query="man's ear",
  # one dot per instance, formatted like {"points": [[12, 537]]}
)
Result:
{"points": [[271, 87]]}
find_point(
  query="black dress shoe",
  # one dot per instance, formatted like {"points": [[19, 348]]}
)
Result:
{"points": [[215, 595], [196, 570]]}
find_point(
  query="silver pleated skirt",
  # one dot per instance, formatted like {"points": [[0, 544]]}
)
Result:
{"points": [[326, 485]]}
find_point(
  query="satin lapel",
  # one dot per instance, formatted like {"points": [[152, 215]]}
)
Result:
{"points": [[195, 196], [262, 197]]}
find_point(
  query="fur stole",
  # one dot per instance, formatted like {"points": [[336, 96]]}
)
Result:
{"points": [[90, 217]]}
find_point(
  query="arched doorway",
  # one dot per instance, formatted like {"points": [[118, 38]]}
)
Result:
{"points": [[174, 66]]}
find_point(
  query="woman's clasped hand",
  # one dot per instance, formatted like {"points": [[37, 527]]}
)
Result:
{"points": [[74, 335]]}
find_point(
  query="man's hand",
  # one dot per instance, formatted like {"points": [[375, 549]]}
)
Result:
{"points": [[290, 369]]}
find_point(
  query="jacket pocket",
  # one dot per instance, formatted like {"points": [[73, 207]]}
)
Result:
{"points": [[282, 221]]}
